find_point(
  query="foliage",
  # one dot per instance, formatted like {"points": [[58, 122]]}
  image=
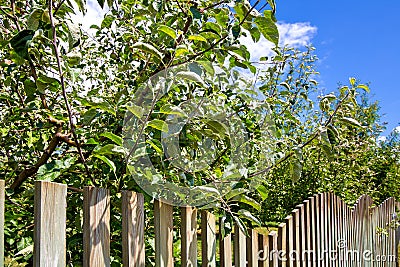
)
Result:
{"points": [[65, 94]]}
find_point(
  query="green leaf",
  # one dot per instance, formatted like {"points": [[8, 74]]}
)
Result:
{"points": [[247, 200], [350, 121], [168, 30], [235, 192], [364, 87], [115, 138], [159, 125], [267, 27], [34, 19], [352, 81], [109, 149], [197, 38], [148, 48], [263, 191], [195, 12], [272, 5], [20, 43], [191, 76], [136, 110], [247, 215], [156, 145], [107, 161], [217, 127]]}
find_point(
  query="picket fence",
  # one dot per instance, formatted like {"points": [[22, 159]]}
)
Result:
{"points": [[322, 231]]}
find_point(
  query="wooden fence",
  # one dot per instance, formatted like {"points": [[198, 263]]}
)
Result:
{"points": [[322, 231]]}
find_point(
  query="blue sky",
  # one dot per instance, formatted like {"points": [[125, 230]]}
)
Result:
{"points": [[354, 39]]}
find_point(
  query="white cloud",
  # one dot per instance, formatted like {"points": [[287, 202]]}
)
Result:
{"points": [[94, 15], [295, 35], [381, 139], [397, 129]]}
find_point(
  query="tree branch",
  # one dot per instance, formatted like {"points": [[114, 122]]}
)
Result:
{"points": [[64, 91], [315, 135]]}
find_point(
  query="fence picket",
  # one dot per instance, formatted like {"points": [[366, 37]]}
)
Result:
{"points": [[239, 247], [208, 239], [189, 236], [96, 227], [225, 248], [252, 248], [133, 250], [50, 224], [163, 230], [2, 200]]}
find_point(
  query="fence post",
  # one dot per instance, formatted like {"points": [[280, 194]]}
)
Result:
{"points": [[225, 248], [2, 200], [133, 249], [96, 227], [189, 236], [163, 229], [252, 248], [50, 224], [239, 247], [208, 239]]}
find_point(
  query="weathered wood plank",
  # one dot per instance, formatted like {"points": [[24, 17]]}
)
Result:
{"points": [[2, 210], [96, 227], [264, 254], [239, 247], [282, 245], [208, 239], [252, 248], [189, 236], [289, 241], [273, 248], [163, 229], [225, 248], [50, 224], [133, 249]]}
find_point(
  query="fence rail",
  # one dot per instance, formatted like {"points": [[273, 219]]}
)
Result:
{"points": [[322, 231]]}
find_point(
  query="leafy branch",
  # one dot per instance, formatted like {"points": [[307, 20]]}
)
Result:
{"points": [[312, 138]]}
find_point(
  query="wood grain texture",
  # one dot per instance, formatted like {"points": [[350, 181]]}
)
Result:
{"points": [[189, 236], [225, 249], [96, 227], [208, 239], [2, 200], [163, 230], [239, 246], [252, 248], [50, 224], [133, 249]]}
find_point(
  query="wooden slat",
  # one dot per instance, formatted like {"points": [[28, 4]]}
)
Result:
{"points": [[133, 249], [2, 206], [282, 245], [189, 236], [163, 230], [252, 248], [318, 215], [306, 254], [273, 248], [50, 224], [239, 247], [208, 239], [289, 241], [225, 248], [96, 227], [264, 251], [297, 234]]}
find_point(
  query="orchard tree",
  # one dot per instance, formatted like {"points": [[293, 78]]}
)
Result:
{"points": [[164, 92]]}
